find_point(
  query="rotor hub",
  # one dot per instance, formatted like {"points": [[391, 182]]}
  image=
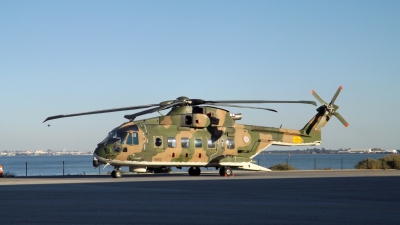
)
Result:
{"points": [[326, 110]]}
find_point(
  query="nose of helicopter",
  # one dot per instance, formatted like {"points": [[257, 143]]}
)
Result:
{"points": [[99, 155]]}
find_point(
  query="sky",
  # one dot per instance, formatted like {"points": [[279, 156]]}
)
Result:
{"points": [[62, 57]]}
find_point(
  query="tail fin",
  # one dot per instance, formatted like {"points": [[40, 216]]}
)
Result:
{"points": [[325, 112]]}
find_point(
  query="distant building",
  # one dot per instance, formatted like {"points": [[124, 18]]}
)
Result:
{"points": [[343, 151], [39, 152], [391, 151], [359, 150]]}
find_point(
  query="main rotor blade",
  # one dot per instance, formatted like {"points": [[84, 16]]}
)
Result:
{"points": [[336, 94], [238, 106], [259, 101], [100, 111], [341, 119], [318, 98], [156, 109]]}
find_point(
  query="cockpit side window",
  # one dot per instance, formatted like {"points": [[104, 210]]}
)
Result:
{"points": [[122, 136], [133, 139], [129, 141]]}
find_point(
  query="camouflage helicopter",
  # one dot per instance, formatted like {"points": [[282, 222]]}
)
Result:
{"points": [[196, 133]]}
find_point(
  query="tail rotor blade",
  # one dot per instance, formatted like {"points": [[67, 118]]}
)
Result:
{"points": [[317, 97], [341, 119], [336, 94]]}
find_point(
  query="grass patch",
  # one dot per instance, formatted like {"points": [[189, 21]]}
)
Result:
{"points": [[8, 174], [327, 168], [387, 162], [282, 166]]}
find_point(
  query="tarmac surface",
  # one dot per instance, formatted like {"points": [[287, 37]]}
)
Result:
{"points": [[296, 197]]}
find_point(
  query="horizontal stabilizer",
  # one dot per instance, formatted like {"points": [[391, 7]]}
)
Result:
{"points": [[245, 166], [254, 167]]}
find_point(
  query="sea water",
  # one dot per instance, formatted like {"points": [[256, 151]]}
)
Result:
{"points": [[82, 164], [51, 165]]}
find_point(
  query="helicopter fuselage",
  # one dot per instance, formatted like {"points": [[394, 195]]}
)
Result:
{"points": [[192, 137]]}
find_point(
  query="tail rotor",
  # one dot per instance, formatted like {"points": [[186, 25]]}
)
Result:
{"points": [[325, 111]]}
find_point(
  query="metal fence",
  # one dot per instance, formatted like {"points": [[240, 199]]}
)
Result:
{"points": [[49, 166]]}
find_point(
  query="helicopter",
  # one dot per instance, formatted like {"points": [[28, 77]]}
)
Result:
{"points": [[198, 133]]}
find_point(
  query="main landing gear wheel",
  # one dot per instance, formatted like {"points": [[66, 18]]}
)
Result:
{"points": [[194, 171], [225, 171], [116, 173]]}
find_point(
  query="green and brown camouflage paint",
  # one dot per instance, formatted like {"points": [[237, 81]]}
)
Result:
{"points": [[235, 144]]}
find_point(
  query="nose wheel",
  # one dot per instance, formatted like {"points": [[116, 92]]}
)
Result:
{"points": [[225, 171], [116, 173]]}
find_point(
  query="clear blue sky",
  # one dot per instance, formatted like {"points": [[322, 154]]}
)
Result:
{"points": [[61, 57]]}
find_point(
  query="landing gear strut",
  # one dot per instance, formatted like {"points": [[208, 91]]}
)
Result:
{"points": [[225, 171], [116, 173], [194, 171]]}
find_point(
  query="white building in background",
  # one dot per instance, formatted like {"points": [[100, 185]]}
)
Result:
{"points": [[366, 150], [39, 152], [391, 151], [359, 150]]}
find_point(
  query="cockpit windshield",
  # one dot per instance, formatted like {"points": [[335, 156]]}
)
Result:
{"points": [[119, 135], [105, 139], [112, 134]]}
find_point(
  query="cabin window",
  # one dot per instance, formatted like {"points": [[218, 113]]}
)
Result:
{"points": [[198, 143], [210, 143], [158, 142], [133, 139], [171, 142], [230, 143], [185, 143]]}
